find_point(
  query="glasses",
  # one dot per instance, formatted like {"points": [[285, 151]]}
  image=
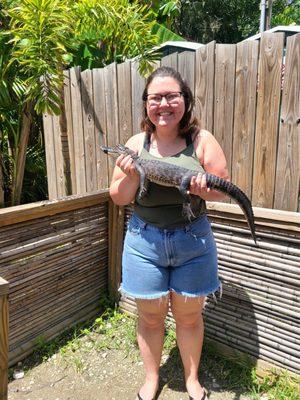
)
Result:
{"points": [[172, 98]]}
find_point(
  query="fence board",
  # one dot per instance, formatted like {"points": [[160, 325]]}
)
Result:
{"points": [[70, 132], [224, 98], [50, 156], [288, 155], [138, 85], [266, 135], [244, 114], [111, 102], [89, 130], [124, 91], [186, 67], [170, 61], [79, 153], [100, 127], [204, 85], [59, 159]]}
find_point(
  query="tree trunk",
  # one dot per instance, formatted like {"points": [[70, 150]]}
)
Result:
{"points": [[19, 164], [1, 178]]}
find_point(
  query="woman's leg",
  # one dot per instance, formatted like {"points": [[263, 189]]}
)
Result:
{"points": [[150, 336], [187, 312]]}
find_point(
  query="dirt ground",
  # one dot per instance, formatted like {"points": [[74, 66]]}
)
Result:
{"points": [[87, 373]]}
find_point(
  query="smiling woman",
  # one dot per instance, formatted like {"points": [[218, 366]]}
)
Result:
{"points": [[167, 258]]}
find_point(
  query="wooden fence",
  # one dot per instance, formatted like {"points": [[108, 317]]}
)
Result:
{"points": [[241, 95], [55, 257]]}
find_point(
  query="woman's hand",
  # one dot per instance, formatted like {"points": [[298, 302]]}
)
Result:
{"points": [[198, 185], [125, 163]]}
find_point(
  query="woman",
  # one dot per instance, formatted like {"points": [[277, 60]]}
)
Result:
{"points": [[168, 259]]}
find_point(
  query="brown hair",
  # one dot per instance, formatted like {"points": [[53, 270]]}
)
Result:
{"points": [[188, 124]]}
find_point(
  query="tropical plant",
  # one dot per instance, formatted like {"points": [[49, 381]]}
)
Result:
{"points": [[42, 37]]}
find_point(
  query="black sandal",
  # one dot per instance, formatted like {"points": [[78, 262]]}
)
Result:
{"points": [[140, 398]]}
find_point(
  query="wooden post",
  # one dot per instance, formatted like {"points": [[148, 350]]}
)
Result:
{"points": [[116, 234], [3, 338]]}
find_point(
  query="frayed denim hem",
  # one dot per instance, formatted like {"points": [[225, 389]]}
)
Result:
{"points": [[202, 294], [143, 296]]}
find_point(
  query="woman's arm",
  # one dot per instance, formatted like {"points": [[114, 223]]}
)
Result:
{"points": [[125, 180], [212, 157]]}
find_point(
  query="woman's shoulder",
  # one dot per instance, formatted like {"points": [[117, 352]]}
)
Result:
{"points": [[136, 141]]}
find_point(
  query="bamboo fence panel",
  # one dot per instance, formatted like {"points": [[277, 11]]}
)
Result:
{"points": [[224, 98], [55, 257], [138, 84], [288, 160], [204, 85], [268, 102], [186, 68], [100, 127], [79, 148], [112, 117], [244, 114], [257, 315], [89, 130], [170, 61], [3, 338]]}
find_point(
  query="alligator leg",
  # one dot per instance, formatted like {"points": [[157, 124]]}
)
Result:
{"points": [[143, 181], [186, 207]]}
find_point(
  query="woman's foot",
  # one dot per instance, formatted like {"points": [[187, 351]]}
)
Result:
{"points": [[149, 389], [195, 390]]}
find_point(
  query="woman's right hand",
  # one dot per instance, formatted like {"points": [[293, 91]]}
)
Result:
{"points": [[125, 163]]}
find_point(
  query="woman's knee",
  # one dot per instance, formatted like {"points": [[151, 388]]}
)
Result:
{"points": [[152, 313], [187, 312]]}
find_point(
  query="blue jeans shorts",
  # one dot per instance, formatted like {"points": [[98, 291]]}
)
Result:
{"points": [[156, 261]]}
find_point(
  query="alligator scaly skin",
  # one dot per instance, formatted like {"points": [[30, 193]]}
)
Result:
{"points": [[166, 174]]}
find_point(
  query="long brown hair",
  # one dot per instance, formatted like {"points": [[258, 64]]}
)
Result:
{"points": [[188, 124]]}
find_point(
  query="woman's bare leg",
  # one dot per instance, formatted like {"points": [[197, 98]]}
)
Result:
{"points": [[187, 312], [150, 336]]}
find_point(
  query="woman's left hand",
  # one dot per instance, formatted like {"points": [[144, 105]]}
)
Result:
{"points": [[198, 185]]}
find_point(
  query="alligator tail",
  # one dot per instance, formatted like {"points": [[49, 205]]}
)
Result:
{"points": [[214, 182]]}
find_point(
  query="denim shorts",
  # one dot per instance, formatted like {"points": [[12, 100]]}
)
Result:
{"points": [[156, 261]]}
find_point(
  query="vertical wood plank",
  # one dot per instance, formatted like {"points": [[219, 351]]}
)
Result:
{"points": [[89, 130], [224, 98], [75, 78], [125, 107], [138, 85], [170, 61], [288, 158], [186, 68], [59, 160], [70, 132], [244, 114], [266, 135], [50, 156], [111, 101], [100, 127], [204, 85], [3, 339]]}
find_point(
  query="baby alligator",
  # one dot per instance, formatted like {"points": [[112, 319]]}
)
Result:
{"points": [[167, 174]]}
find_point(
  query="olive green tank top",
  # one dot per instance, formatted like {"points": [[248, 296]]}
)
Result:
{"points": [[162, 205]]}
